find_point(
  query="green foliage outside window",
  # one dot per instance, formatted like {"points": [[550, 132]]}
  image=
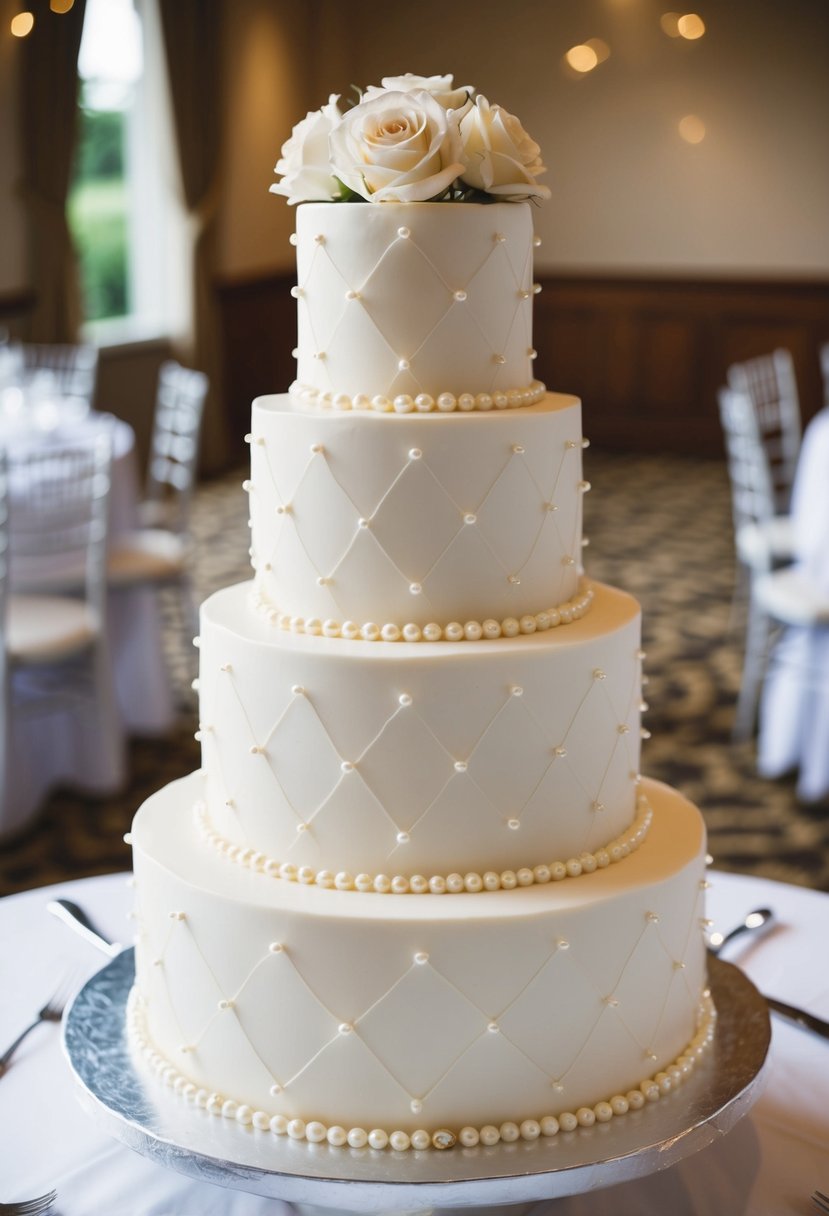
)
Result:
{"points": [[98, 213]]}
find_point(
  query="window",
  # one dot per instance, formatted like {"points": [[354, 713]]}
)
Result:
{"points": [[123, 210]]}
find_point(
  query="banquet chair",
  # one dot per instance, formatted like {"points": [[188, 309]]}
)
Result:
{"points": [[769, 383], [53, 518], [156, 554], [762, 538], [73, 368]]}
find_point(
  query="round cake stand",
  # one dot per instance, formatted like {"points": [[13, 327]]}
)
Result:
{"points": [[153, 1120]]}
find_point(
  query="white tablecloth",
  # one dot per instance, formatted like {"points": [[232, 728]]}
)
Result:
{"points": [[47, 750], [767, 1166], [794, 709]]}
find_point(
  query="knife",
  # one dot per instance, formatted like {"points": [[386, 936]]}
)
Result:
{"points": [[801, 1017], [75, 917]]}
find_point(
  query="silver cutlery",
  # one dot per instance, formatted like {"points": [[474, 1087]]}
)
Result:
{"points": [[52, 1011], [759, 919], [30, 1207], [820, 1201], [74, 916]]}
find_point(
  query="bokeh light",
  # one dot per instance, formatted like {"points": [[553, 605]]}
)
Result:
{"points": [[691, 26], [22, 24], [692, 129], [582, 58]]}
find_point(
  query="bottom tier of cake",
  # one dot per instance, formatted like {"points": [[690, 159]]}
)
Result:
{"points": [[318, 1012]]}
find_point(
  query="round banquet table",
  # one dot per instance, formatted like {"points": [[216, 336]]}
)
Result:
{"points": [[44, 753], [767, 1166]]}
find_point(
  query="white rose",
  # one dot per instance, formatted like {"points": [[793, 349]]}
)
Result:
{"points": [[304, 164], [397, 147], [440, 87], [499, 156]]}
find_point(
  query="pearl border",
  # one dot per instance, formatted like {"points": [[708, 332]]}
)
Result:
{"points": [[651, 1089], [471, 631], [417, 884], [310, 398]]}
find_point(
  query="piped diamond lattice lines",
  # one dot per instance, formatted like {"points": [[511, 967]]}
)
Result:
{"points": [[413, 528], [401, 345], [310, 1019]]}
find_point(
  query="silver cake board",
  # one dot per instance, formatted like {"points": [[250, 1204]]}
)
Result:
{"points": [[153, 1120]]}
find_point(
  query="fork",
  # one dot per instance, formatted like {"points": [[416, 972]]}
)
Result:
{"points": [[52, 1011], [30, 1207], [820, 1201]]}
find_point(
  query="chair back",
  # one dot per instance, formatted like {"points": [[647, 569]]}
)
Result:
{"points": [[74, 369], [57, 517], [770, 384], [749, 469], [174, 448]]}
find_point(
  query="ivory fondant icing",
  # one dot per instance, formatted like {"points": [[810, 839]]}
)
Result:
{"points": [[506, 1006], [420, 759], [398, 299], [543, 962], [416, 518]]}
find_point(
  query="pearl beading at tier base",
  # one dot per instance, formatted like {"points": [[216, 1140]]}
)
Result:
{"points": [[438, 884], [470, 631], [309, 397], [649, 1090]]}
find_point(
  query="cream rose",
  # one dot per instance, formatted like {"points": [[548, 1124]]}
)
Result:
{"points": [[441, 88], [397, 147], [304, 164], [499, 156]]}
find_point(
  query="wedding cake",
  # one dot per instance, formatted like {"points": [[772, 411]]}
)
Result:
{"points": [[418, 893]]}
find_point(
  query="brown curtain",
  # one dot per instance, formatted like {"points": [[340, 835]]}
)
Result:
{"points": [[48, 95], [192, 43]]}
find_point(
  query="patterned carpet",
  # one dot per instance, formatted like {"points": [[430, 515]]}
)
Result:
{"points": [[658, 527]]}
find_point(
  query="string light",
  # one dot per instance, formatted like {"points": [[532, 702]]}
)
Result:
{"points": [[60, 6], [22, 24]]}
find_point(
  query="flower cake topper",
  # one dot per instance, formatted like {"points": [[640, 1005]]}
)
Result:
{"points": [[411, 139]]}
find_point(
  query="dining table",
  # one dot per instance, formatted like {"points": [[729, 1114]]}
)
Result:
{"points": [[40, 757], [768, 1164]]}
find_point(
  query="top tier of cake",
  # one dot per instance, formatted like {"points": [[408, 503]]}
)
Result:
{"points": [[426, 302]]}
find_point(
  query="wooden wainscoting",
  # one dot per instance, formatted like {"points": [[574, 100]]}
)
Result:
{"points": [[258, 318], [647, 355]]}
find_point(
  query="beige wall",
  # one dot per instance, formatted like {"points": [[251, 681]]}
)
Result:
{"points": [[628, 195]]}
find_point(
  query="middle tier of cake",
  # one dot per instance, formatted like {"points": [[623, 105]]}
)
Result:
{"points": [[345, 763], [416, 519]]}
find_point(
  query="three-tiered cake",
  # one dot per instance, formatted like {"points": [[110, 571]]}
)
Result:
{"points": [[418, 892]]}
